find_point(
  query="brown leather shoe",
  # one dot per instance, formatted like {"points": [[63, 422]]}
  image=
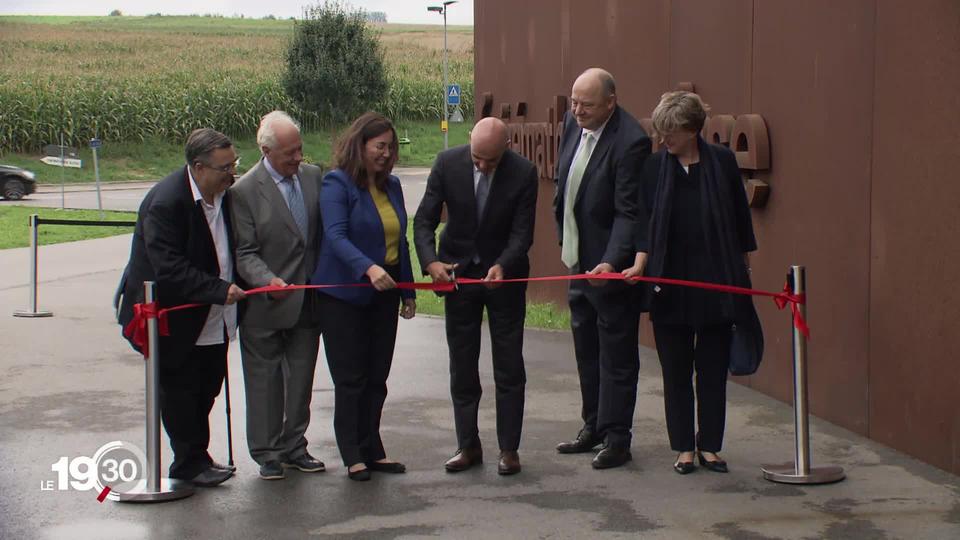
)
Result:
{"points": [[509, 462], [465, 458]]}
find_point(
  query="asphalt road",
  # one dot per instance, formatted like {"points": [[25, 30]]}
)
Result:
{"points": [[69, 384]]}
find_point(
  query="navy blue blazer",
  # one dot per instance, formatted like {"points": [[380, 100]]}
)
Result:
{"points": [[353, 237]]}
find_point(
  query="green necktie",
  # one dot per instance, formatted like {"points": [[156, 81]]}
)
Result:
{"points": [[570, 252]]}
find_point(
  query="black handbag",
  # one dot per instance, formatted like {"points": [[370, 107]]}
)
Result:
{"points": [[746, 346]]}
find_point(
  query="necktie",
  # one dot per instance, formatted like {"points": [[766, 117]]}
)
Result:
{"points": [[296, 206], [570, 251], [483, 188]]}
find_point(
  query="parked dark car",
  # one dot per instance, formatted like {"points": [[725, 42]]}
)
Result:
{"points": [[16, 183]]}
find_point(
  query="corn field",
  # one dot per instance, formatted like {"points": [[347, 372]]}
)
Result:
{"points": [[128, 80]]}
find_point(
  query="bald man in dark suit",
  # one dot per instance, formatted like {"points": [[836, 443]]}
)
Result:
{"points": [[490, 193]]}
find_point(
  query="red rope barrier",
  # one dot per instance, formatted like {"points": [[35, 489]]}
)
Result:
{"points": [[136, 330]]}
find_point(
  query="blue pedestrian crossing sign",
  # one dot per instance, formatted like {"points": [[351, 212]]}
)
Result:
{"points": [[453, 94]]}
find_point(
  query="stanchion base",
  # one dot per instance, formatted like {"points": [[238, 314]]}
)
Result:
{"points": [[786, 473], [32, 314], [170, 490]]}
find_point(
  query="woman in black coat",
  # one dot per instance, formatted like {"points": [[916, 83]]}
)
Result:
{"points": [[694, 224]]}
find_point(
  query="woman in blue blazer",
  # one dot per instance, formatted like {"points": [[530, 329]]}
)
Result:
{"points": [[364, 242]]}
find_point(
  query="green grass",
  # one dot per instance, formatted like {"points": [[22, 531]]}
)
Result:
{"points": [[539, 314], [15, 228], [156, 158]]}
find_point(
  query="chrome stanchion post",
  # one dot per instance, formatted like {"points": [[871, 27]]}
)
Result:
{"points": [[800, 471], [152, 392], [33, 312], [154, 488]]}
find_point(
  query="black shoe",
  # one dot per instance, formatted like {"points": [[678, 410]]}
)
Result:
{"points": [[222, 467], [683, 467], [271, 470], [360, 476], [586, 441], [393, 468], [210, 477], [304, 463], [611, 456], [717, 465]]}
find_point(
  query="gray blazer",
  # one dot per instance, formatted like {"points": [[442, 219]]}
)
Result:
{"points": [[269, 244]]}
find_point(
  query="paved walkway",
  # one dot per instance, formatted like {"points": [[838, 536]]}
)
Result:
{"points": [[69, 384]]}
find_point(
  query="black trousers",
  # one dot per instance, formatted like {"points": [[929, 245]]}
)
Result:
{"points": [[506, 310], [358, 342], [187, 393], [684, 350], [605, 333]]}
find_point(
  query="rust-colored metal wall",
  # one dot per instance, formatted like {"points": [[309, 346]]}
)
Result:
{"points": [[914, 379], [860, 101]]}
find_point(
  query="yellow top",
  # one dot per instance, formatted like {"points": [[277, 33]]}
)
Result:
{"points": [[391, 224]]}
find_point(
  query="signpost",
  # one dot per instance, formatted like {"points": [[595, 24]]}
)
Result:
{"points": [[70, 163], [453, 100], [453, 94], [95, 143], [62, 156], [446, 107]]}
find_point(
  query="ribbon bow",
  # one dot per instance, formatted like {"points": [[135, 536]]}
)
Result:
{"points": [[136, 329], [787, 297]]}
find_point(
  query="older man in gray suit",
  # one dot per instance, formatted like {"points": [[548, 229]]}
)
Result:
{"points": [[275, 215]]}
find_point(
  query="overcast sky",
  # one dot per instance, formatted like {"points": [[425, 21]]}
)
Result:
{"points": [[398, 11]]}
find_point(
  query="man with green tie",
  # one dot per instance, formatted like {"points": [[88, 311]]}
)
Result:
{"points": [[602, 149]]}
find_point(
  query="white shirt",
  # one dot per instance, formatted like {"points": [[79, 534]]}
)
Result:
{"points": [[583, 137], [220, 316], [476, 178]]}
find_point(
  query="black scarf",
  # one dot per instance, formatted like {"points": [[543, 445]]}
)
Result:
{"points": [[719, 228]]}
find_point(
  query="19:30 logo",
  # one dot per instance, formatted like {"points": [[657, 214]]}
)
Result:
{"points": [[118, 465]]}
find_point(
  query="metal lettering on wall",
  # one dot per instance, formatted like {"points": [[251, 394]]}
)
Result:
{"points": [[536, 141], [539, 142]]}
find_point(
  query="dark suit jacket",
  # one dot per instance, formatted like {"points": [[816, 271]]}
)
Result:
{"points": [[269, 243], [353, 237], [504, 233], [606, 204], [730, 173], [172, 245]]}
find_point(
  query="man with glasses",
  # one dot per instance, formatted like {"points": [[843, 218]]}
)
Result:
{"points": [[182, 241], [602, 150], [276, 219]]}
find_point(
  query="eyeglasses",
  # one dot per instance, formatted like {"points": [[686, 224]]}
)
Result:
{"points": [[585, 105], [232, 166]]}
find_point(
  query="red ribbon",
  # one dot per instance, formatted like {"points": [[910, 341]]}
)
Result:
{"points": [[136, 329], [787, 297]]}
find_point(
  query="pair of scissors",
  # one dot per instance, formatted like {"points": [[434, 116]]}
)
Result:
{"points": [[453, 277]]}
